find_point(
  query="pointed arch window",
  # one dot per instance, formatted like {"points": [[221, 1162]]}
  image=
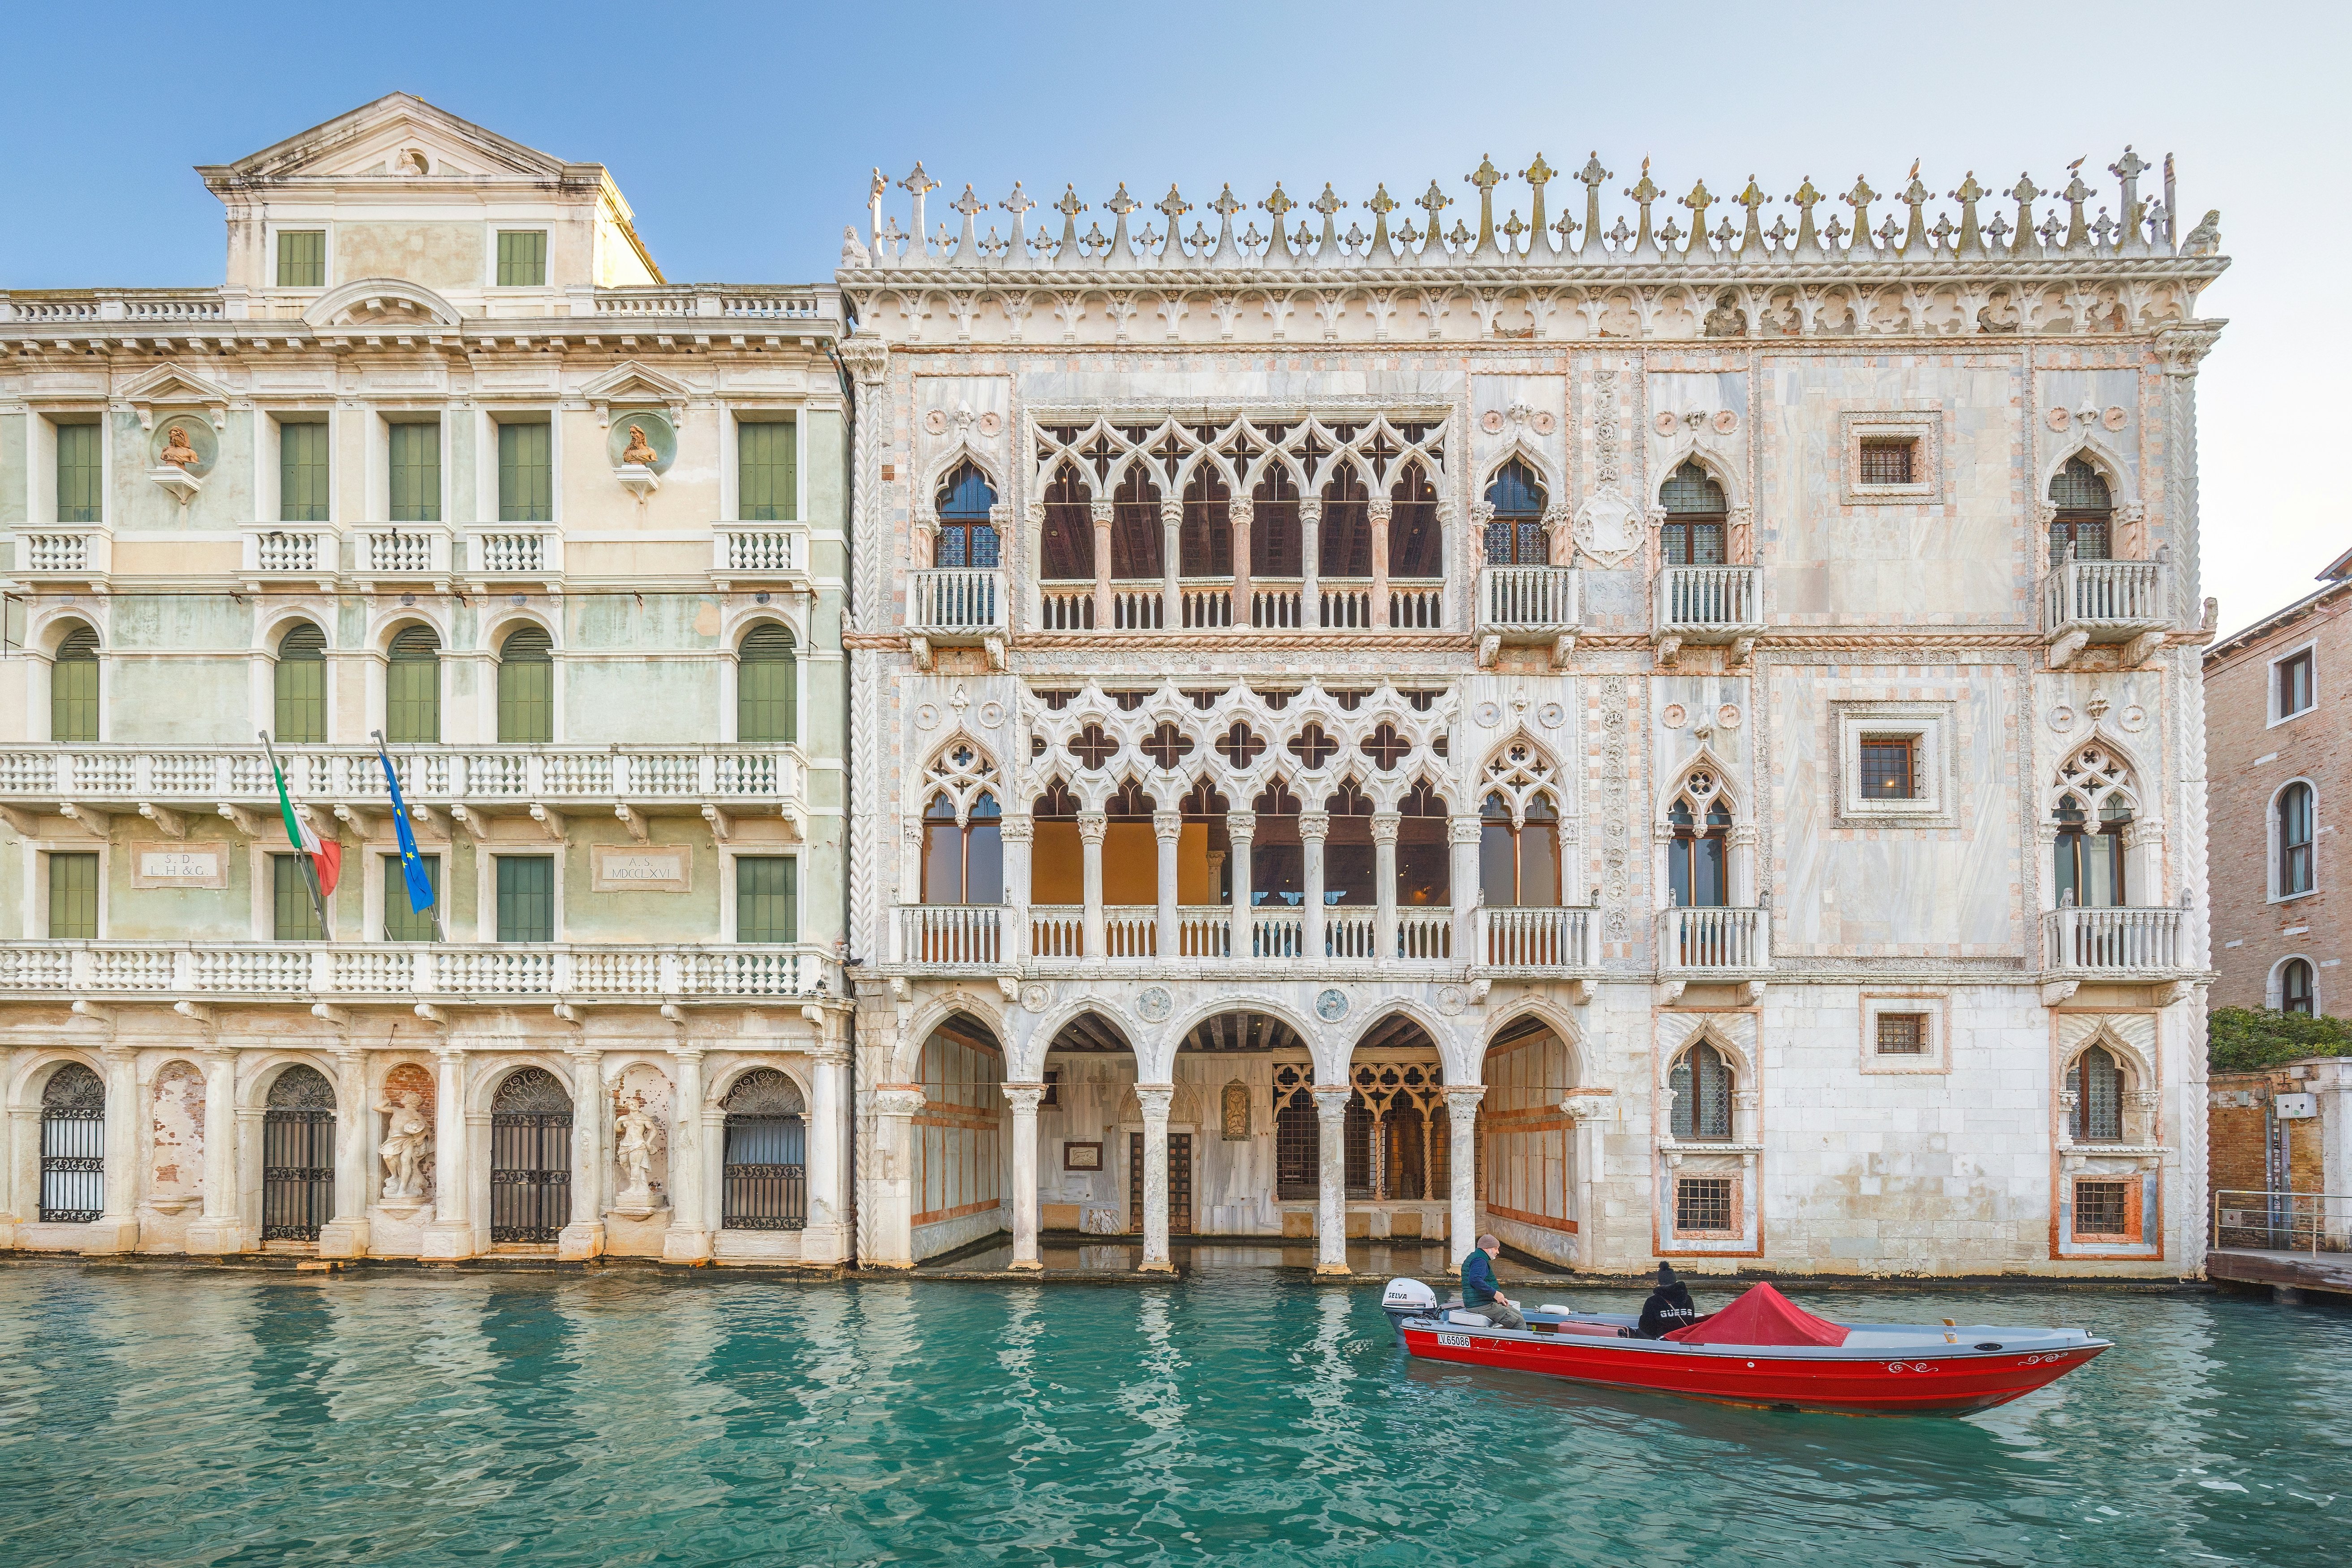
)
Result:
{"points": [[2090, 853], [964, 862], [1519, 859], [1135, 535], [1343, 541], [966, 529], [1515, 534], [767, 687], [2297, 866], [412, 687], [2096, 1082], [1416, 541], [73, 689], [1067, 545], [527, 686], [1205, 547], [2084, 511], [1275, 548], [1701, 1082], [301, 680], [1424, 870], [1697, 853], [1692, 534]]}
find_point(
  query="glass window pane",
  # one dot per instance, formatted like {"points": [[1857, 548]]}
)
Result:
{"points": [[295, 917], [73, 897], [302, 258], [942, 863], [79, 479], [1498, 865], [525, 898], [767, 899], [1539, 863], [302, 473], [769, 485], [401, 923], [301, 680], [416, 462], [522, 260], [1887, 768], [1707, 888], [984, 862], [525, 480]]}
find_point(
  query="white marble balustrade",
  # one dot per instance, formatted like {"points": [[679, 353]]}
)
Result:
{"points": [[398, 972]]}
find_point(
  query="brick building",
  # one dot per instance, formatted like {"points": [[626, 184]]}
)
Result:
{"points": [[2279, 756]]}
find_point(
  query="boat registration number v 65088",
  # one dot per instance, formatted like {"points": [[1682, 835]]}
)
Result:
{"points": [[1458, 1342]]}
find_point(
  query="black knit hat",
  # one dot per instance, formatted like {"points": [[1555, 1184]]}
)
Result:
{"points": [[1666, 1275]]}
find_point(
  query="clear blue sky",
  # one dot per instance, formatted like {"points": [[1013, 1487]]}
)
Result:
{"points": [[743, 135]]}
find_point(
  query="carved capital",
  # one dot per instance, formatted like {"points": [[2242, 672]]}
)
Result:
{"points": [[1384, 827], [1314, 825], [1020, 827], [1167, 825], [1379, 513], [1310, 512], [1092, 825], [1466, 829], [1462, 1102], [1100, 509], [897, 1100], [867, 357], [1025, 1097], [1172, 514], [1154, 1099], [1239, 512], [1331, 1102], [1241, 826]]}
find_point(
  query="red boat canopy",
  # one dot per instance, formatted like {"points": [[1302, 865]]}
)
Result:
{"points": [[1762, 1316]]}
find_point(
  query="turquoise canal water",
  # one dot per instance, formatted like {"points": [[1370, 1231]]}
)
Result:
{"points": [[187, 1416]]}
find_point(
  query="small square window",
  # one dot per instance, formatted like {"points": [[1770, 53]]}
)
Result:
{"points": [[1051, 1098], [1890, 767], [1889, 462], [2102, 1211], [1902, 1033], [302, 258], [522, 260], [1703, 1204], [2294, 684]]}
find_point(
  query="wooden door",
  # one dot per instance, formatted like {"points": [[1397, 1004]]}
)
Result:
{"points": [[1179, 1184]]}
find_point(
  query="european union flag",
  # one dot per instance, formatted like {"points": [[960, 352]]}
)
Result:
{"points": [[420, 884]]}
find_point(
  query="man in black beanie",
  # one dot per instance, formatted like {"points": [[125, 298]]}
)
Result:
{"points": [[1668, 1307]]}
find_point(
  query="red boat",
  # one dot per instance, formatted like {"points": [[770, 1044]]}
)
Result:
{"points": [[1763, 1350]]}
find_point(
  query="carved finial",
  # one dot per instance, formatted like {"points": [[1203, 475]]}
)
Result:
{"points": [[1806, 199], [1486, 176], [1968, 195], [1565, 228], [1753, 198], [916, 185], [1327, 204], [2128, 166], [1644, 194], [1120, 202], [1460, 237], [1699, 201], [1859, 199], [1279, 203], [1069, 206], [1538, 174], [2128, 169], [1433, 202], [971, 207], [1779, 233], [2024, 193], [1593, 177], [2104, 232], [1017, 248], [1511, 231], [1173, 206], [1379, 207], [1916, 196], [2076, 193]]}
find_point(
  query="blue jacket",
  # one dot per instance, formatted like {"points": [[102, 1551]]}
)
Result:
{"points": [[1478, 1286]]}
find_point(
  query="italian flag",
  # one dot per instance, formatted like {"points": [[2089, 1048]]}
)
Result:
{"points": [[326, 858]]}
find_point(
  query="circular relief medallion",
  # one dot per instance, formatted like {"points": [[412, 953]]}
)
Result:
{"points": [[926, 717], [2062, 718], [185, 442], [992, 713], [1491, 422], [1665, 424], [2113, 417], [2060, 419], [1154, 1005], [1674, 716], [1543, 424], [1728, 716], [1550, 715], [2135, 718], [936, 422], [1451, 1000], [634, 434], [1725, 421], [1035, 998], [990, 424], [1489, 714], [1331, 1006]]}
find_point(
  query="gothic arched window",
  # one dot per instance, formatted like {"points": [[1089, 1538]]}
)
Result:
{"points": [[1424, 873], [1343, 546], [1066, 546], [964, 862], [2295, 864], [1701, 1082], [1515, 534], [1519, 859], [967, 530], [73, 1147], [1692, 534], [2096, 1082], [1206, 546], [2084, 512], [1416, 541], [764, 1167], [1135, 531], [298, 1155], [1698, 859], [1274, 549]]}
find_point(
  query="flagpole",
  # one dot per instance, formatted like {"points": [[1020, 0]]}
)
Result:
{"points": [[392, 785], [309, 871]]}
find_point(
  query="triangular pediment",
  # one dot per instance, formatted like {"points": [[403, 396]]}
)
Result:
{"points": [[630, 381], [168, 385], [397, 137]]}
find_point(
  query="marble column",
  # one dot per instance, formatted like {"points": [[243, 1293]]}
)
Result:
{"points": [[889, 1189], [1237, 514], [688, 1239], [1241, 826], [217, 1230], [1384, 875], [1379, 513], [1467, 894], [1019, 831], [347, 1235], [1154, 1098], [1310, 563], [1331, 1183], [1171, 564], [1462, 1168], [1313, 826], [117, 1228], [826, 1240], [1168, 827], [1102, 516], [1025, 1097], [1092, 825], [592, 1119], [451, 1234]]}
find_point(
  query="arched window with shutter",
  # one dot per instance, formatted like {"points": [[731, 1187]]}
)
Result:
{"points": [[767, 687], [412, 687], [1701, 1082], [73, 689], [2085, 511], [1515, 532], [527, 686], [2296, 868], [967, 528], [2297, 993], [301, 685]]}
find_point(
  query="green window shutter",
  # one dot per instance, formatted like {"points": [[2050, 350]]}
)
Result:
{"points": [[767, 466], [302, 258], [73, 897], [525, 898], [301, 677], [767, 898], [412, 689], [416, 472], [402, 924], [73, 689], [302, 473], [525, 480], [296, 917], [526, 686], [522, 260], [80, 477], [767, 688]]}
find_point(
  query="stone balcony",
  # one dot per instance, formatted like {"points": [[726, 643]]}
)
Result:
{"points": [[1717, 605], [957, 606], [2117, 943], [406, 974], [772, 555], [1712, 945], [1542, 605], [2119, 602], [61, 555], [1535, 943], [499, 553]]}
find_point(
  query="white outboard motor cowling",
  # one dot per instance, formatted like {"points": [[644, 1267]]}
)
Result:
{"points": [[1407, 1297]]}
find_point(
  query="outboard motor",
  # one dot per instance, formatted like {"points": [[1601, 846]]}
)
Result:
{"points": [[1407, 1297]]}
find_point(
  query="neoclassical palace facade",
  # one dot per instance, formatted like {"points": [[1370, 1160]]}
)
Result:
{"points": [[1661, 743], [445, 461]]}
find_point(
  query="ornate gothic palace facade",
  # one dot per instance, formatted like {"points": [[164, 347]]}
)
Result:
{"points": [[1659, 743]]}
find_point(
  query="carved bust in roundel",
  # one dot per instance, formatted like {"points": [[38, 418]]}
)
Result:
{"points": [[639, 450], [176, 450]]}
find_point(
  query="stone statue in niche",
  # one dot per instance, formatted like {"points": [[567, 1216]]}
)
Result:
{"points": [[176, 450], [638, 1134], [639, 451], [1237, 1108], [408, 1138]]}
